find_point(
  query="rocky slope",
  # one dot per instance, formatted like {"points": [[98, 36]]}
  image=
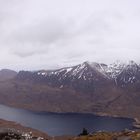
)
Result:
{"points": [[13, 131], [124, 135]]}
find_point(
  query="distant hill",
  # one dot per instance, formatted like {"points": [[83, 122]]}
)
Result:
{"points": [[6, 74]]}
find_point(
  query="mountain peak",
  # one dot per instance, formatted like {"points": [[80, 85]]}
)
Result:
{"points": [[132, 66], [131, 62], [91, 64]]}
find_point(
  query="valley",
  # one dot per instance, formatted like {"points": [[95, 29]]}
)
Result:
{"points": [[86, 88]]}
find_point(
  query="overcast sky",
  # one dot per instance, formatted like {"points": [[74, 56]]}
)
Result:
{"points": [[46, 34]]}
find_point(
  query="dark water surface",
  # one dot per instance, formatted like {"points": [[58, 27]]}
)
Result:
{"points": [[59, 124]]}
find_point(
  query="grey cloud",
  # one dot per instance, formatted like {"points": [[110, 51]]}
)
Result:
{"points": [[29, 49], [40, 34], [24, 54], [46, 31]]}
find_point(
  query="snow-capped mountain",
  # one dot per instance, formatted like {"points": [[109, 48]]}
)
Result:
{"points": [[108, 71], [114, 69], [129, 75], [87, 76], [80, 77]]}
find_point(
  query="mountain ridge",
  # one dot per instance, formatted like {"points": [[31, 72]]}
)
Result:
{"points": [[90, 72]]}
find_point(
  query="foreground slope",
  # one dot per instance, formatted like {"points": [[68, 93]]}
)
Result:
{"points": [[14, 131]]}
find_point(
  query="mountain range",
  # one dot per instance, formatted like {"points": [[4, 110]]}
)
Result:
{"points": [[86, 76], [89, 87]]}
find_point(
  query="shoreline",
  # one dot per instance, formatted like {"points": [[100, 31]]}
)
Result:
{"points": [[100, 114], [136, 124]]}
